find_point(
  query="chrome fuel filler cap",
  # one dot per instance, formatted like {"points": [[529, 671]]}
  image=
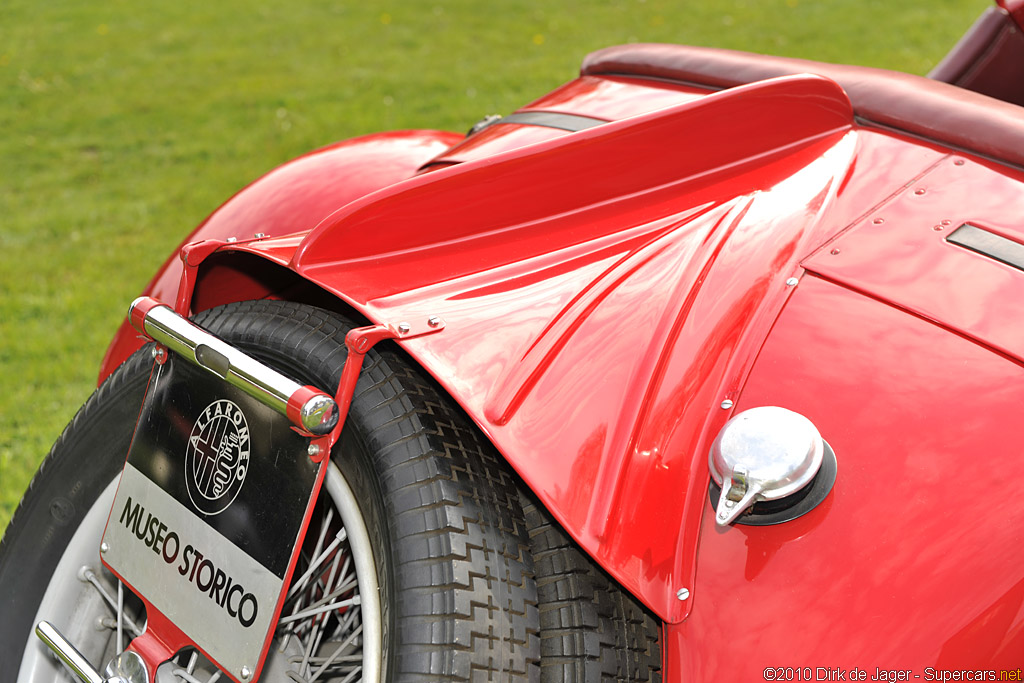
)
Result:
{"points": [[767, 454]]}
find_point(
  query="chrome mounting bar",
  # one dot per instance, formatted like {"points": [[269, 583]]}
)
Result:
{"points": [[126, 668], [307, 407], [67, 653]]}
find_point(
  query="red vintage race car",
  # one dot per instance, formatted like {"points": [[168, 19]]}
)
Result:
{"points": [[703, 366]]}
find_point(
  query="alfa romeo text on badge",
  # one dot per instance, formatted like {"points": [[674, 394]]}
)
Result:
{"points": [[217, 457]]}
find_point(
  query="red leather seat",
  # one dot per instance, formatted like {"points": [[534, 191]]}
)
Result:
{"points": [[911, 104]]}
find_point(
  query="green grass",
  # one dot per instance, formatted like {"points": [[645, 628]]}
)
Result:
{"points": [[122, 124]]}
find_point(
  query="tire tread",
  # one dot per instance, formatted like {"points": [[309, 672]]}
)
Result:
{"points": [[591, 629], [468, 607]]}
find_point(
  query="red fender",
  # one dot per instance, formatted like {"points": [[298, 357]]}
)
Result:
{"points": [[295, 197], [610, 297], [592, 383]]}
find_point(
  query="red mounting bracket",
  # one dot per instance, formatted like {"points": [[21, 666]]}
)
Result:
{"points": [[359, 341], [191, 255]]}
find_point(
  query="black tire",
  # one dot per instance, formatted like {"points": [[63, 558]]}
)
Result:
{"points": [[83, 461], [459, 601], [591, 630]]}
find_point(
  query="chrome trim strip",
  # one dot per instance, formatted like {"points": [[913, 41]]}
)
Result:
{"points": [[547, 119]]}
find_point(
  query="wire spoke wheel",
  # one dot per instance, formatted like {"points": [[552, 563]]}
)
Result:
{"points": [[416, 563], [329, 630], [424, 558]]}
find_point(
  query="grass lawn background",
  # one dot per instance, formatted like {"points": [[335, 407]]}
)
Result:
{"points": [[123, 124]]}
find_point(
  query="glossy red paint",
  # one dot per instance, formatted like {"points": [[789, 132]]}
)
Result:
{"points": [[496, 139], [923, 424], [536, 284], [609, 99], [632, 165], [317, 183], [605, 291], [968, 293], [295, 197]]}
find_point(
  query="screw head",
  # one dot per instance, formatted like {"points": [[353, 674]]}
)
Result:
{"points": [[246, 673], [260, 235], [726, 404], [792, 281], [683, 594], [403, 328], [920, 191], [313, 450], [104, 547], [232, 239], [433, 321], [878, 221]]}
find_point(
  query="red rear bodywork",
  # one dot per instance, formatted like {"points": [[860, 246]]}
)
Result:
{"points": [[724, 233]]}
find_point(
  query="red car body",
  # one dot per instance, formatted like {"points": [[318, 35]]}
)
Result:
{"points": [[739, 231]]}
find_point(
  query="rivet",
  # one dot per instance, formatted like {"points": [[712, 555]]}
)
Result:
{"points": [[313, 450], [726, 404], [920, 191], [683, 593], [946, 222], [834, 252], [792, 281], [878, 221], [433, 321], [104, 547], [959, 162], [246, 673], [232, 239], [403, 328], [937, 228]]}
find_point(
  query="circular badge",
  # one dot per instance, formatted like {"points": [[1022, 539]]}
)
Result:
{"points": [[217, 457]]}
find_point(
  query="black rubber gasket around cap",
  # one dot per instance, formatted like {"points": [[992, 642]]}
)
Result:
{"points": [[768, 512]]}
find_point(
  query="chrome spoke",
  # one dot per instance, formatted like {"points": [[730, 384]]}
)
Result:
{"points": [[347, 588], [120, 616], [87, 574], [303, 581], [300, 584], [187, 677], [345, 644], [321, 610], [352, 675], [315, 636]]}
